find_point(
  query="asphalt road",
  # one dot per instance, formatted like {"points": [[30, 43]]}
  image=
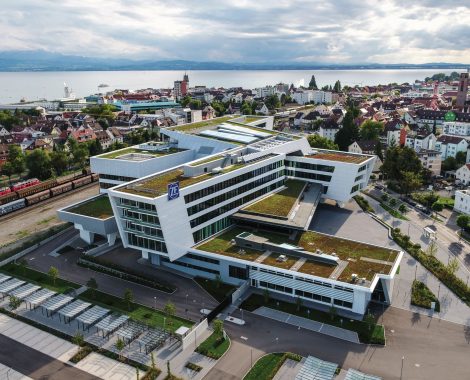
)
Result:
{"points": [[432, 349], [37, 365]]}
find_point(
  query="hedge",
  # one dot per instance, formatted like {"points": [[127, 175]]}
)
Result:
{"points": [[434, 265], [362, 202], [193, 367], [124, 273], [81, 354]]}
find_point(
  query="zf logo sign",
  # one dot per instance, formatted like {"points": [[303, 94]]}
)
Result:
{"points": [[173, 190]]}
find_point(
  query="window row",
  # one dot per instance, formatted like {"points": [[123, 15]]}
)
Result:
{"points": [[231, 182], [150, 231], [274, 272], [191, 266], [145, 218], [312, 296], [140, 205], [230, 206], [117, 177], [142, 242], [314, 176], [105, 185], [342, 303], [278, 288], [355, 188], [211, 229], [203, 258], [233, 193], [237, 272], [305, 165]]}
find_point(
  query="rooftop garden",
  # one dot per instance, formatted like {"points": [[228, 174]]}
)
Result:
{"points": [[254, 128], [341, 157], [207, 160], [99, 207], [121, 152], [202, 124], [364, 260], [281, 203], [250, 119]]}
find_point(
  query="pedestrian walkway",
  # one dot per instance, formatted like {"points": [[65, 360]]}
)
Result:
{"points": [[10, 374], [289, 369], [308, 324]]}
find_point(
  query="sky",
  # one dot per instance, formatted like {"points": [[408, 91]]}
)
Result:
{"points": [[321, 31]]}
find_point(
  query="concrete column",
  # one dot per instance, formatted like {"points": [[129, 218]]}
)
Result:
{"points": [[87, 236], [111, 238], [154, 259]]}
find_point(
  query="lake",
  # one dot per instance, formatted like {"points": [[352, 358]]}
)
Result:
{"points": [[49, 85]]}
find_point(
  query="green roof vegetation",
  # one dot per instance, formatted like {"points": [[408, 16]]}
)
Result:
{"points": [[122, 152], [341, 157], [250, 119], [281, 203], [207, 160], [253, 128], [97, 208], [364, 260], [202, 124]]}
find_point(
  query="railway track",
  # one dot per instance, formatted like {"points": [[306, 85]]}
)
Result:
{"points": [[27, 209]]}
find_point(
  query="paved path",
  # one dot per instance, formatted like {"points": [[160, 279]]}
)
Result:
{"points": [[66, 264], [35, 364], [308, 324], [10, 374], [289, 370]]}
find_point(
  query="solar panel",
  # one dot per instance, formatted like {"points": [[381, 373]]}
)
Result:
{"points": [[244, 130], [40, 296], [353, 374], [92, 315], [229, 136], [9, 285], [24, 291], [316, 369]]}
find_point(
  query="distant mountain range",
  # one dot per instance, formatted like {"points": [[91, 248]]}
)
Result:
{"points": [[39, 60]]}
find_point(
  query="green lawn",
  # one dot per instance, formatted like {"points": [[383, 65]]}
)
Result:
{"points": [[202, 124], [31, 275], [249, 119], [421, 296], [264, 368], [375, 334], [446, 202], [216, 289], [281, 203], [98, 208], [137, 312], [214, 346]]}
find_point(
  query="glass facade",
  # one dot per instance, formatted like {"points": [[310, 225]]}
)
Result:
{"points": [[211, 229], [305, 165], [314, 176]]}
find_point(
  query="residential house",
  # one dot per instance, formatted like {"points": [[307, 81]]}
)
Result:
{"points": [[457, 128], [421, 141], [329, 129], [83, 134], [3, 154], [366, 147], [262, 109], [3, 131], [431, 160], [462, 201], [462, 174], [450, 145]]}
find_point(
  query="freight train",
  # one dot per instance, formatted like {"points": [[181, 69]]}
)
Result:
{"points": [[39, 192]]}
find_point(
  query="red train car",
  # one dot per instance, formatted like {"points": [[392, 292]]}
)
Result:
{"points": [[4, 191], [25, 184]]}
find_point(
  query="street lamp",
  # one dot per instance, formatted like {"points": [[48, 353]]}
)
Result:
{"points": [[241, 310], [155, 303], [416, 270], [401, 372]]}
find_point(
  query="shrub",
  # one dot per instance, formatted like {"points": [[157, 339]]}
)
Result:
{"points": [[81, 354], [362, 202], [193, 367]]}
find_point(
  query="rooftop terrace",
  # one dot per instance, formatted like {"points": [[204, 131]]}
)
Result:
{"points": [[202, 124], [98, 207], [281, 203], [357, 258], [339, 156]]}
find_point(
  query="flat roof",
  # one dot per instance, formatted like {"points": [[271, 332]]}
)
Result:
{"points": [[122, 153], [363, 260], [202, 124], [99, 207], [157, 185], [339, 156]]}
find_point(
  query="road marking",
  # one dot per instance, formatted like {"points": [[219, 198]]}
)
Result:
{"points": [[243, 337]]}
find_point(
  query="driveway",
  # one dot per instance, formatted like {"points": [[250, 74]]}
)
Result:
{"points": [[196, 299], [432, 349]]}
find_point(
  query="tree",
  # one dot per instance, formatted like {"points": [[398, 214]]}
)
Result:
{"points": [[95, 148], [312, 85], [436, 206], [8, 170], [403, 209], [59, 161], [120, 344], [378, 151], [369, 319], [218, 326], [195, 104], [453, 266], [432, 248], [370, 130], [39, 164], [78, 339], [272, 102], [14, 302], [463, 221], [399, 160], [450, 163], [128, 298], [317, 141], [461, 158], [53, 274], [410, 181], [348, 133], [170, 311], [93, 286], [337, 86], [17, 159]]}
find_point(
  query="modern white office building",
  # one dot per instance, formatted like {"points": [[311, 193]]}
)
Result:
{"points": [[234, 201]]}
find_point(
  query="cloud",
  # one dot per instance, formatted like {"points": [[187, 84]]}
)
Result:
{"points": [[331, 31]]}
